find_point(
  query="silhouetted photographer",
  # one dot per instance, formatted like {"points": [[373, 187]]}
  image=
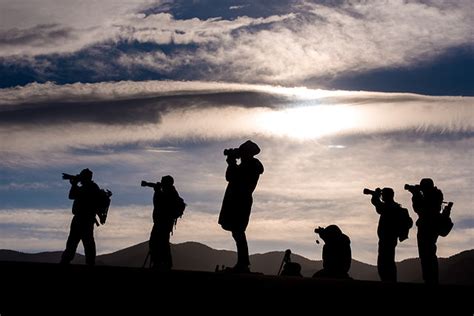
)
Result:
{"points": [[86, 194], [427, 201], [337, 256], [237, 204], [394, 223], [168, 206]]}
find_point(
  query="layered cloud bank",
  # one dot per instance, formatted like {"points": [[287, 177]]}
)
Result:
{"points": [[50, 118], [287, 42], [320, 148]]}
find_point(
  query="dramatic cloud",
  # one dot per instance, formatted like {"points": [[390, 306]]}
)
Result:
{"points": [[306, 40], [193, 111]]}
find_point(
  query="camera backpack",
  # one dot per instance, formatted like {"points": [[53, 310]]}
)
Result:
{"points": [[179, 208], [404, 224], [103, 204], [445, 222]]}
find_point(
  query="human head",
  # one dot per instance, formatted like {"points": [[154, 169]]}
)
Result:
{"points": [[167, 181], [426, 184], [330, 233], [387, 194], [248, 149], [85, 175]]}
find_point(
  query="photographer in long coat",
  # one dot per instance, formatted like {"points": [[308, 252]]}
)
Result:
{"points": [[237, 203]]}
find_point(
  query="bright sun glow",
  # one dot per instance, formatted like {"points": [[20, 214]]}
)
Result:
{"points": [[309, 121]]}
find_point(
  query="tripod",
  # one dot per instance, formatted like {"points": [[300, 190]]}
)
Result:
{"points": [[286, 259], [146, 259]]}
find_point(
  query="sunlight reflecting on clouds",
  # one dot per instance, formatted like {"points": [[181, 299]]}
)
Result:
{"points": [[309, 121]]}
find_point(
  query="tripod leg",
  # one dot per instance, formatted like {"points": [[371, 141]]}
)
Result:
{"points": [[146, 259]]}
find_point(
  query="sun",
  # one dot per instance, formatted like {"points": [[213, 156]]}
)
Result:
{"points": [[308, 122]]}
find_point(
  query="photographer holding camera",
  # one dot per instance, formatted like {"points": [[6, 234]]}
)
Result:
{"points": [[337, 255], [427, 200], [388, 230], [85, 197], [237, 204], [166, 201]]}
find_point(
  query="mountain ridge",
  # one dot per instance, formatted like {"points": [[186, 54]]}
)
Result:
{"points": [[195, 256]]}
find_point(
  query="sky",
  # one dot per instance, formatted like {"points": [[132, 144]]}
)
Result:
{"points": [[339, 95]]}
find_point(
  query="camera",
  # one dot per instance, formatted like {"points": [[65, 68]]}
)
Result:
{"points": [[155, 185], [371, 192], [318, 230], [67, 176], [232, 152], [412, 188]]}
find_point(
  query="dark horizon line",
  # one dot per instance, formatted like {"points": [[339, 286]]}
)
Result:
{"points": [[202, 244]]}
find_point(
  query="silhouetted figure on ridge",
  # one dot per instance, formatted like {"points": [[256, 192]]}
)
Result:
{"points": [[427, 200], [337, 255], [84, 209], [391, 216], [167, 206], [237, 203]]}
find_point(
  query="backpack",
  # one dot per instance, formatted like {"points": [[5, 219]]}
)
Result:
{"points": [[445, 223], [102, 204], [405, 222], [179, 208]]}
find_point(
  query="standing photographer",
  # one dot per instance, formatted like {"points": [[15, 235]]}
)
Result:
{"points": [[166, 201], [84, 209], [237, 203], [427, 200], [388, 231]]}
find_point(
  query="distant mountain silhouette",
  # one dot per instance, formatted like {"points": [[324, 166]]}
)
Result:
{"points": [[457, 269]]}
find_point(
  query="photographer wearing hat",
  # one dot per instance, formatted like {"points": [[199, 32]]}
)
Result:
{"points": [[237, 204], [84, 210]]}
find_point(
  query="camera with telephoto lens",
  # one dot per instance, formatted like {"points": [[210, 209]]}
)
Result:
{"points": [[412, 188], [153, 185], [67, 176], [372, 192], [232, 152]]}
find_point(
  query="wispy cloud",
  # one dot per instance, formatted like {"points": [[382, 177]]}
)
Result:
{"points": [[314, 40], [111, 114]]}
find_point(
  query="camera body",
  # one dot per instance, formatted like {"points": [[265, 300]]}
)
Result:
{"points": [[377, 191], [232, 152], [412, 188], [154, 185], [318, 230]]}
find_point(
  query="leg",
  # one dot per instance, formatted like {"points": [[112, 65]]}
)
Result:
{"points": [[153, 245], [72, 242], [427, 252], [386, 260], [242, 249], [160, 249], [89, 243]]}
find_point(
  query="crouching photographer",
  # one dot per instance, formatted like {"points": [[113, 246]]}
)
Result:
{"points": [[337, 255]]}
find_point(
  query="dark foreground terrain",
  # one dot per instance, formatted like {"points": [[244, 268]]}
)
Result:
{"points": [[46, 288]]}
